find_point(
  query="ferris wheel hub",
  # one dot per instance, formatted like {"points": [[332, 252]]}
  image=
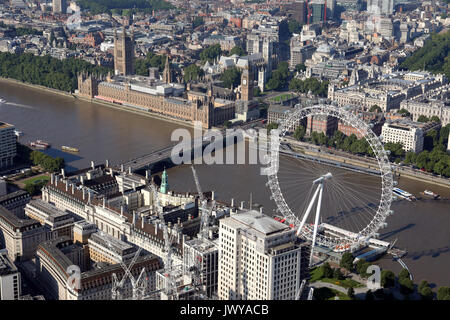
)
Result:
{"points": [[323, 178]]}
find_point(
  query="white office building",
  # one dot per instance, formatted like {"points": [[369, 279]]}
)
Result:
{"points": [[259, 258], [408, 134], [9, 278]]}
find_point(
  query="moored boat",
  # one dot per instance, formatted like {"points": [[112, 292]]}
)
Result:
{"points": [[403, 194], [431, 194], [39, 144], [70, 149]]}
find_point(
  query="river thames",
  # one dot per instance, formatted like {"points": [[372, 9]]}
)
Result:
{"points": [[421, 227]]}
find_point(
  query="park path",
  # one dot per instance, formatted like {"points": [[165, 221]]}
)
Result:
{"points": [[320, 284]]}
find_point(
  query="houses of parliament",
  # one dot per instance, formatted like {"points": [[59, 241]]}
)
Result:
{"points": [[159, 94]]}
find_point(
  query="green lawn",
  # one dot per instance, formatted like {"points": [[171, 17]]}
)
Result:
{"points": [[282, 97], [36, 180], [329, 294], [341, 295], [346, 283]]}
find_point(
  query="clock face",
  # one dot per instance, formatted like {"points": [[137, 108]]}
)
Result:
{"points": [[244, 82]]}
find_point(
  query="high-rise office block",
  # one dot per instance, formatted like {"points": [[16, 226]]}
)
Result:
{"points": [[8, 145], [259, 258], [59, 6], [380, 7]]}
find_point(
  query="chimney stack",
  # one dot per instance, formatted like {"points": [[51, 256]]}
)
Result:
{"points": [[261, 210], [52, 178], [63, 173], [67, 185], [107, 163], [121, 210], [111, 173], [84, 193], [104, 202], [213, 195], [89, 196], [134, 218], [242, 205], [73, 189], [147, 174], [121, 168], [82, 180], [134, 186], [92, 165], [232, 202], [129, 170], [142, 222], [56, 180]]}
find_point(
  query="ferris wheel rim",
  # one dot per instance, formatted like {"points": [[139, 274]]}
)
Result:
{"points": [[343, 243]]}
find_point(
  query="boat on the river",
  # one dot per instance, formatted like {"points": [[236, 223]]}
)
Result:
{"points": [[403, 194], [39, 144], [70, 149], [2, 101]]}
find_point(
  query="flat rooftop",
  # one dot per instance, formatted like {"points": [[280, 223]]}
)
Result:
{"points": [[106, 240], [16, 222], [259, 222], [48, 208], [4, 125], [6, 265]]}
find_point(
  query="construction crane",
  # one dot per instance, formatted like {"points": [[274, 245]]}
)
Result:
{"points": [[309, 12], [170, 287], [196, 268], [137, 286], [300, 290], [205, 212]]}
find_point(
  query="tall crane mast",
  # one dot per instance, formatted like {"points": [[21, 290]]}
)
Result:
{"points": [[205, 213], [170, 286]]}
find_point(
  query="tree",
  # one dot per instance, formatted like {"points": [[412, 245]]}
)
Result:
{"points": [[347, 261], [238, 50], [299, 133], [192, 73], [443, 293], [256, 92], [432, 56], [31, 189], [387, 279], [300, 67], [375, 108], [337, 274], [406, 285], [327, 270], [227, 124], [231, 77], [351, 293], [271, 126], [294, 26], [410, 157], [426, 293], [422, 159], [435, 119], [404, 112], [404, 274], [360, 266], [198, 21], [211, 52], [422, 118], [369, 295]]}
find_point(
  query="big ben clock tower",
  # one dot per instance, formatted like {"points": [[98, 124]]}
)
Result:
{"points": [[246, 85]]}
